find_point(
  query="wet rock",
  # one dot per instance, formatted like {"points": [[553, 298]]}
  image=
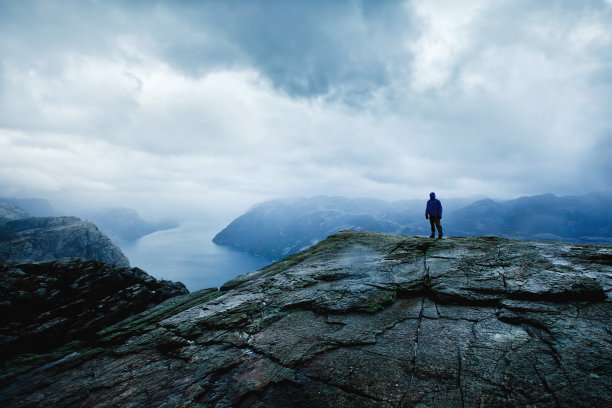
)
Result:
{"points": [[46, 305], [359, 320]]}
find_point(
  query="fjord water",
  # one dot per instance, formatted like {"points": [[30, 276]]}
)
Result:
{"points": [[187, 254]]}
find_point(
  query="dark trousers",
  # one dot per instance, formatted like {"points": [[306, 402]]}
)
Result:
{"points": [[434, 220]]}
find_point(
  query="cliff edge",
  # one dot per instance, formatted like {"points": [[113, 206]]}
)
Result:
{"points": [[361, 319], [38, 239]]}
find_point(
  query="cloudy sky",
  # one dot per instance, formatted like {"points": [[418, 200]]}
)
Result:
{"points": [[220, 104]]}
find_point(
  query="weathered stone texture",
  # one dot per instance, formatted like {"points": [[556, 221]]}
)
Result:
{"points": [[362, 320], [45, 305]]}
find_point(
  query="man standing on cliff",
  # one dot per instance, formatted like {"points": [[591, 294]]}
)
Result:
{"points": [[434, 213]]}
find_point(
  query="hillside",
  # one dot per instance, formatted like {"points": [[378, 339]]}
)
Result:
{"points": [[361, 319], [36, 239], [279, 228], [124, 225]]}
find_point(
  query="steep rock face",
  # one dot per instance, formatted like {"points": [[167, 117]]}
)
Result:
{"points": [[45, 305], [48, 238], [359, 320]]}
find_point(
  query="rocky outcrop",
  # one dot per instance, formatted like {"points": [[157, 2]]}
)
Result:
{"points": [[45, 305], [9, 212], [47, 238], [359, 320]]}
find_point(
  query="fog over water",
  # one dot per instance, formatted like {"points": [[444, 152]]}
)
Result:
{"points": [[187, 254]]}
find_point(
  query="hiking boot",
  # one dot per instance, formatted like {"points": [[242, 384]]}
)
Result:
{"points": [[439, 236], [432, 236]]}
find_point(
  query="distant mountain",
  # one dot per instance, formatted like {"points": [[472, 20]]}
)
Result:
{"points": [[121, 225], [38, 239], [9, 212], [278, 228], [585, 219], [36, 207], [124, 225]]}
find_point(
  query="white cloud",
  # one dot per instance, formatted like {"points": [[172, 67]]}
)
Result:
{"points": [[481, 98]]}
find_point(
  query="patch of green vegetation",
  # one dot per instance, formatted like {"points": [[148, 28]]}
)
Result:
{"points": [[377, 301], [304, 284], [332, 244], [66, 356], [135, 325], [147, 320]]}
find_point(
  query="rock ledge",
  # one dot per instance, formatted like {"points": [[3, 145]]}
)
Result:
{"points": [[360, 320]]}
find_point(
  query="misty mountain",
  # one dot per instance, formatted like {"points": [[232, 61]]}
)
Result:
{"points": [[124, 225], [37, 239], [35, 207], [278, 228], [9, 212], [585, 219]]}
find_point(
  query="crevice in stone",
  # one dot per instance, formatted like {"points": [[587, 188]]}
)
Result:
{"points": [[459, 366], [392, 326], [374, 353], [545, 384], [557, 358], [415, 348], [281, 365], [459, 376], [346, 389]]}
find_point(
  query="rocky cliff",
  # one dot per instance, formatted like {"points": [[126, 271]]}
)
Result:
{"points": [[359, 320], [49, 238], [48, 304]]}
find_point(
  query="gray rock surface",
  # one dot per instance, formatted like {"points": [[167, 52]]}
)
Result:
{"points": [[359, 320], [47, 238]]}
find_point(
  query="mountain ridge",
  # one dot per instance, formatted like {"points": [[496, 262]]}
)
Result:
{"points": [[278, 228], [49, 238]]}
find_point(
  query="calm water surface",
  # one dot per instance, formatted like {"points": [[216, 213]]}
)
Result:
{"points": [[187, 254]]}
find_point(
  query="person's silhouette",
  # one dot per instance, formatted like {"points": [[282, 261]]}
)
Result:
{"points": [[434, 213]]}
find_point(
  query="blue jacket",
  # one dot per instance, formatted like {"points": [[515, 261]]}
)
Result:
{"points": [[434, 207]]}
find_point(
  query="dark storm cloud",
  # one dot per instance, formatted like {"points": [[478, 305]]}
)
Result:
{"points": [[344, 50], [312, 48], [268, 98]]}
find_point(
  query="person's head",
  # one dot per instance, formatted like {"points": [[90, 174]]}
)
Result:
{"points": [[432, 195]]}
